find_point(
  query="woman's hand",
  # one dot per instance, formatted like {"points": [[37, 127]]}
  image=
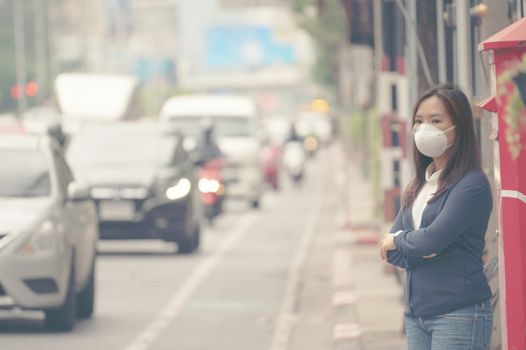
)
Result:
{"points": [[387, 244]]}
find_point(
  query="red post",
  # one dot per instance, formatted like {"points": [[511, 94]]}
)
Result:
{"points": [[508, 48]]}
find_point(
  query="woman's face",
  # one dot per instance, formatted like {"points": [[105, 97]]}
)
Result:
{"points": [[433, 111]]}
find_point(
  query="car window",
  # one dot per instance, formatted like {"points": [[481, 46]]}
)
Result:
{"points": [[224, 126], [24, 174], [114, 147]]}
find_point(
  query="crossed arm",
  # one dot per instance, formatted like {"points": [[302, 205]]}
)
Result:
{"points": [[463, 208]]}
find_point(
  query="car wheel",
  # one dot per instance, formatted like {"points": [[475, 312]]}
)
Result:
{"points": [[63, 318], [86, 297], [189, 244]]}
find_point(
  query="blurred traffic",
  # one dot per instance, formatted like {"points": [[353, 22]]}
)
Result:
{"points": [[95, 168]]}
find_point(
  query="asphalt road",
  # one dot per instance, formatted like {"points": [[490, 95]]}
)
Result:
{"points": [[236, 293]]}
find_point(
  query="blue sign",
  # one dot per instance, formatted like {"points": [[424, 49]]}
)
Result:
{"points": [[234, 47], [150, 69]]}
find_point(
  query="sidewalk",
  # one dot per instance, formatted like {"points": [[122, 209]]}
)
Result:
{"points": [[374, 304], [347, 300]]}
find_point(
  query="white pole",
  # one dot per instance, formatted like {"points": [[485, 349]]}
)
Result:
{"points": [[20, 54], [463, 45], [412, 55], [40, 43], [441, 39]]}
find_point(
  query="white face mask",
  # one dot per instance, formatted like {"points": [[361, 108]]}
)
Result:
{"points": [[430, 140]]}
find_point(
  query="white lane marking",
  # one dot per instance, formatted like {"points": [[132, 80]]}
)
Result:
{"points": [[287, 315], [344, 298], [179, 299], [513, 194], [346, 331]]}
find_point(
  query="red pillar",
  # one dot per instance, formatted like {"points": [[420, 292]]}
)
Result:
{"points": [[507, 48]]}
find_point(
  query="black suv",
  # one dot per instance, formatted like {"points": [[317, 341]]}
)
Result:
{"points": [[142, 180]]}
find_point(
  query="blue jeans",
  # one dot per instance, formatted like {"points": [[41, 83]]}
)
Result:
{"points": [[468, 328]]}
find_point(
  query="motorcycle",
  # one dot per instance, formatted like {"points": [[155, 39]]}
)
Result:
{"points": [[212, 189], [294, 159]]}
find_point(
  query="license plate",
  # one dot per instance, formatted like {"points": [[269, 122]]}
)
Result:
{"points": [[116, 210]]}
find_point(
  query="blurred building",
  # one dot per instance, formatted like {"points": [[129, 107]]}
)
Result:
{"points": [[134, 37]]}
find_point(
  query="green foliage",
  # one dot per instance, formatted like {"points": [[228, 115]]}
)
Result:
{"points": [[361, 133], [515, 115], [329, 31]]}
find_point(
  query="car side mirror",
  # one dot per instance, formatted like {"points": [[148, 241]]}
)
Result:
{"points": [[78, 192]]}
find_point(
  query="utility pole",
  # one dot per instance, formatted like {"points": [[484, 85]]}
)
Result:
{"points": [[20, 55], [411, 53], [463, 40], [441, 38], [83, 19], [40, 45]]}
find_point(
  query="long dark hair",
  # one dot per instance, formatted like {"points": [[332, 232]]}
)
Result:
{"points": [[464, 154]]}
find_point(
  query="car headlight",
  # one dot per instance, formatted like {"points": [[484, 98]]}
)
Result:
{"points": [[180, 190], [46, 238]]}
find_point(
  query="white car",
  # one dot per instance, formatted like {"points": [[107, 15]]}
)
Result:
{"points": [[48, 233], [237, 127]]}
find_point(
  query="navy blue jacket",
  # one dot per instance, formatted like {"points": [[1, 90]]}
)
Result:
{"points": [[453, 227]]}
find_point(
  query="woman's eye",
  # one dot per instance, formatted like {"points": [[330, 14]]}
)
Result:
{"points": [[418, 122], [436, 121]]}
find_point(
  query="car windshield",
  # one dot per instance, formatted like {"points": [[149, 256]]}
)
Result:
{"points": [[24, 174], [224, 126], [114, 147]]}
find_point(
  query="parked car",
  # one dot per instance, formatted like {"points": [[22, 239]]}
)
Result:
{"points": [[236, 121], [142, 180], [48, 233]]}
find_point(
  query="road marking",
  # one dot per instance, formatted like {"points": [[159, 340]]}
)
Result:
{"points": [[287, 315], [342, 268], [346, 331], [344, 298], [178, 300]]}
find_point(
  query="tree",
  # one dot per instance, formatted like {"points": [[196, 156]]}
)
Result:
{"points": [[326, 23]]}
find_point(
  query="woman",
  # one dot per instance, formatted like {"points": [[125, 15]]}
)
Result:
{"points": [[438, 235]]}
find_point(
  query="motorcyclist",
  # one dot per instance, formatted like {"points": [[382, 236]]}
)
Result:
{"points": [[207, 148]]}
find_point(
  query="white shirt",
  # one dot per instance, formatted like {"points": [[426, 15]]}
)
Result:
{"points": [[426, 193]]}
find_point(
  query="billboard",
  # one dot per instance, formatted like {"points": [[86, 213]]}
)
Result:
{"points": [[245, 47]]}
